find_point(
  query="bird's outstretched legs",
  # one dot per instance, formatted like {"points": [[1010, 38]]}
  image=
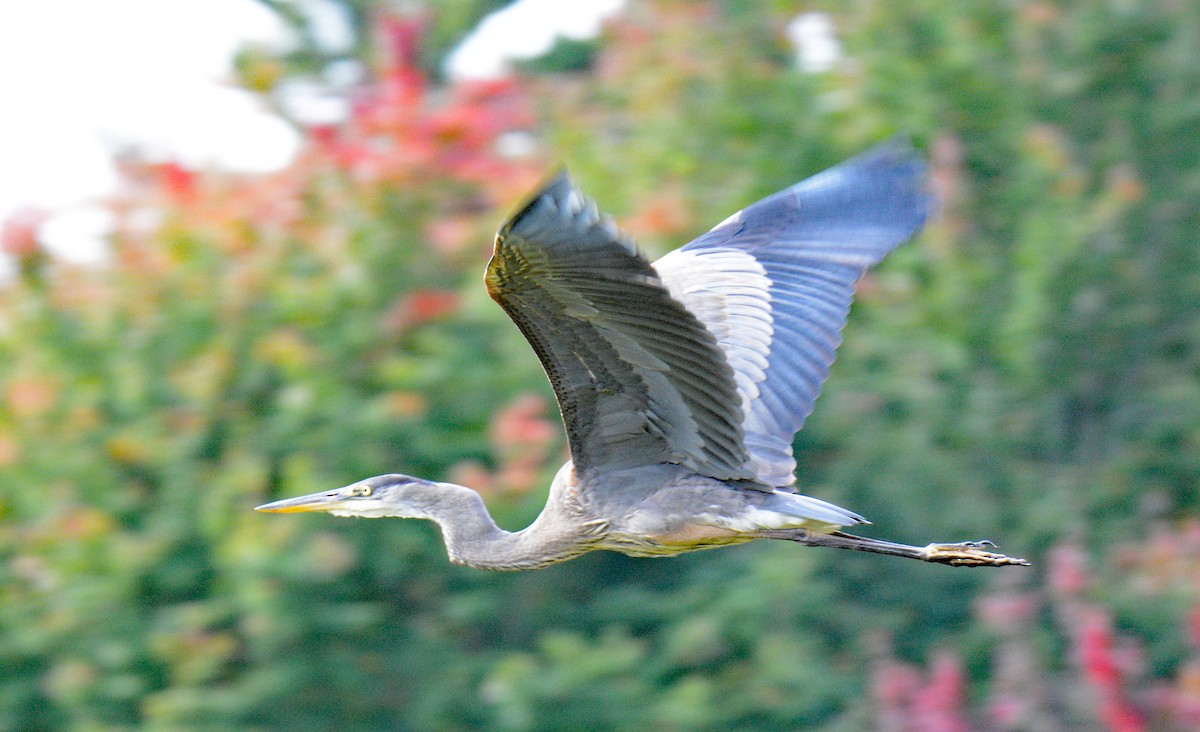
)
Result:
{"points": [[964, 554]]}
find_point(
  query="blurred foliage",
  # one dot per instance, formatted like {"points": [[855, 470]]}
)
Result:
{"points": [[1028, 370]]}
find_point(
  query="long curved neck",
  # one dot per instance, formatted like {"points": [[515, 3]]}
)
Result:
{"points": [[473, 538]]}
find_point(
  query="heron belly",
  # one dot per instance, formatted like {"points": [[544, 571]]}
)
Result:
{"points": [[689, 538]]}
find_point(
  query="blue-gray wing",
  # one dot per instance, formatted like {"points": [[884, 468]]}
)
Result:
{"points": [[639, 380], [773, 283]]}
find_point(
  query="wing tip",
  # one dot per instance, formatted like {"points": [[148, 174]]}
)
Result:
{"points": [[555, 185], [899, 163]]}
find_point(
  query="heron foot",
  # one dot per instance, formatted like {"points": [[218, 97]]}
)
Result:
{"points": [[968, 554]]}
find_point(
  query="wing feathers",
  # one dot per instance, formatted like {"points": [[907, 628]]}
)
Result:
{"points": [[638, 378], [774, 283], [712, 357]]}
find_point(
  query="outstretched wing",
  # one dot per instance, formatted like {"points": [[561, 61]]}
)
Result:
{"points": [[639, 379], [773, 283]]}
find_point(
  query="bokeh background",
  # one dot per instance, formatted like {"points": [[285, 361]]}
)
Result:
{"points": [[1028, 370]]}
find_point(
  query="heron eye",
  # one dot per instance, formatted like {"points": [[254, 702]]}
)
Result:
{"points": [[363, 490]]}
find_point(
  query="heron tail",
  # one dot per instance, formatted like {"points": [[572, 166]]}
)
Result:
{"points": [[814, 509]]}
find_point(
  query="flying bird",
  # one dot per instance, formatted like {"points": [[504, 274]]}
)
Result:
{"points": [[681, 382]]}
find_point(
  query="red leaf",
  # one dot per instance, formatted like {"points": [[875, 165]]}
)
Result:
{"points": [[19, 237]]}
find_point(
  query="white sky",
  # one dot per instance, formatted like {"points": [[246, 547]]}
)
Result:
{"points": [[80, 79], [77, 75], [526, 29]]}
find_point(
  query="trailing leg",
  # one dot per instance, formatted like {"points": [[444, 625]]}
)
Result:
{"points": [[964, 554]]}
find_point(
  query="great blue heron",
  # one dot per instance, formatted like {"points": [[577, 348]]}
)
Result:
{"points": [[681, 382]]}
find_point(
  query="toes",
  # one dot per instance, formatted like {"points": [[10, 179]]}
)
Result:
{"points": [[969, 554], [974, 544], [987, 559]]}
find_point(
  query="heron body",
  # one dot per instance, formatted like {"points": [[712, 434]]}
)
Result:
{"points": [[681, 382]]}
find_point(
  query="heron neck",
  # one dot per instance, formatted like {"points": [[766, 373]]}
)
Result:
{"points": [[473, 538]]}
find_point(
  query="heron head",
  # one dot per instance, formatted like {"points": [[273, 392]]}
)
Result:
{"points": [[383, 495]]}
